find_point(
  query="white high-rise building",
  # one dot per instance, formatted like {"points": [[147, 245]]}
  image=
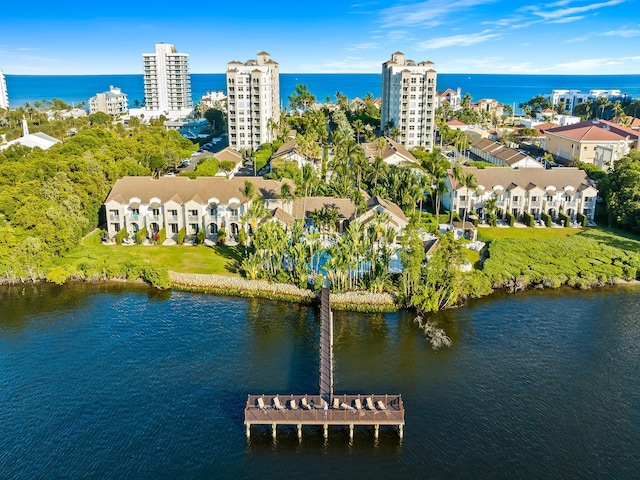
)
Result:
{"points": [[112, 102], [167, 84], [4, 96], [409, 100], [253, 98]]}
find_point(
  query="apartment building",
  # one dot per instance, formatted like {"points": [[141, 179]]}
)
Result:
{"points": [[4, 96], [409, 100], [167, 83], [253, 99], [111, 102]]}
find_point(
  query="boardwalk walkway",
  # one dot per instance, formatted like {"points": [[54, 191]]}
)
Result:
{"points": [[327, 408], [326, 346]]}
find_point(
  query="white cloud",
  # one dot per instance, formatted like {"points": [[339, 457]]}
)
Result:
{"points": [[489, 65], [594, 65], [362, 46], [553, 13], [427, 13], [568, 19], [457, 40], [576, 40], [622, 32]]}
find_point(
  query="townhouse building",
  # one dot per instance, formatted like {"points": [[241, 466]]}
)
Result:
{"points": [[409, 100], [498, 154], [253, 101], [209, 203], [533, 190]]}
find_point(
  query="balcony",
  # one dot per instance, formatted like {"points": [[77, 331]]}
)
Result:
{"points": [[114, 218], [193, 218]]}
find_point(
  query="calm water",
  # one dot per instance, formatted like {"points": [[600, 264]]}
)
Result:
{"points": [[126, 382], [508, 89]]}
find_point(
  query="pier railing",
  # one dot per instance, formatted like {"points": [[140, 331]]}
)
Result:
{"points": [[390, 410]]}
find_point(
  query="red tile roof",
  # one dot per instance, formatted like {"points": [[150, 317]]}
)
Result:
{"points": [[595, 130]]}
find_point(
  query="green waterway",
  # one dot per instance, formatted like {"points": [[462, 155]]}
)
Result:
{"points": [[128, 382]]}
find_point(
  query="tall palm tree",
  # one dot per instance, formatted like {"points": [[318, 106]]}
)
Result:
{"points": [[456, 178], [470, 182], [395, 133], [358, 127]]}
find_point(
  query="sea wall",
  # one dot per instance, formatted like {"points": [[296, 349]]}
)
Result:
{"points": [[237, 286]]}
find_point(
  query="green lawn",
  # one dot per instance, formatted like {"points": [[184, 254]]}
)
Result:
{"points": [[200, 259], [495, 233]]}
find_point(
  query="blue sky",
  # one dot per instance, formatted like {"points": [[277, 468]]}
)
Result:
{"points": [[459, 36]]}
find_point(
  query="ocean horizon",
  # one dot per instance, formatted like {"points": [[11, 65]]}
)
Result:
{"points": [[509, 89]]}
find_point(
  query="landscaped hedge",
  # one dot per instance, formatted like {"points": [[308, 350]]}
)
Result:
{"points": [[528, 219], [201, 236], [565, 219], [141, 235], [511, 219], [181, 235], [162, 236], [546, 218], [121, 235], [582, 219]]}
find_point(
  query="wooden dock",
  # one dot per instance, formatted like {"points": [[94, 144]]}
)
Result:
{"points": [[326, 409]]}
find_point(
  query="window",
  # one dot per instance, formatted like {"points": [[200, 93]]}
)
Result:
{"points": [[114, 213], [173, 227], [567, 198], [155, 212], [213, 211], [193, 228], [549, 198], [463, 198], [135, 212], [516, 199], [534, 199], [193, 213], [173, 213], [234, 212]]}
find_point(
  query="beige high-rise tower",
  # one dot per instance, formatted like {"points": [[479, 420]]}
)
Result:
{"points": [[253, 98], [167, 84], [409, 100]]}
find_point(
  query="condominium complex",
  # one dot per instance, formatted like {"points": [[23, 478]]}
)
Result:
{"points": [[167, 84], [570, 98], [409, 100], [4, 97], [112, 102], [253, 98]]}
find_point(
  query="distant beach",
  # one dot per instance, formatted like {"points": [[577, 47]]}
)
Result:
{"points": [[507, 89]]}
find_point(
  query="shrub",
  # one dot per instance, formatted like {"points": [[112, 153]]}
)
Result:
{"points": [[565, 220], [181, 234], [493, 219], [582, 219], [511, 219], [162, 236], [121, 235], [475, 220], [528, 219], [546, 218], [222, 235], [201, 236], [141, 235]]}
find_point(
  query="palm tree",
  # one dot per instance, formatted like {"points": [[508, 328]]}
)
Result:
{"points": [[358, 127], [490, 207], [456, 178], [470, 182], [395, 133], [602, 103]]}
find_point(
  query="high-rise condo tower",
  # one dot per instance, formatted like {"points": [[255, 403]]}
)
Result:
{"points": [[409, 101], [167, 84], [253, 99], [4, 97]]}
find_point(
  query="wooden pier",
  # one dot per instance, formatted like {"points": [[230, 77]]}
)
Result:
{"points": [[326, 409]]}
